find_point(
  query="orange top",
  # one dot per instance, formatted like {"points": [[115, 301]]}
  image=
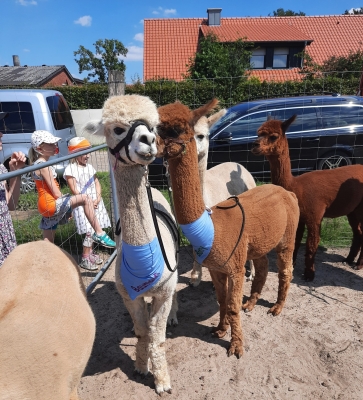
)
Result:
{"points": [[46, 200]]}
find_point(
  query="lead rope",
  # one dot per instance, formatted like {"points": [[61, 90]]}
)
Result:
{"points": [[169, 222]]}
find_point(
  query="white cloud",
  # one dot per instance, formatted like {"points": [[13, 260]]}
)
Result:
{"points": [[170, 11], [26, 50], [166, 12], [27, 2], [139, 37], [142, 21], [134, 53], [84, 21]]}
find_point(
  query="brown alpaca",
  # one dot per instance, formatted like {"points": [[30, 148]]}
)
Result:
{"points": [[271, 217], [328, 193]]}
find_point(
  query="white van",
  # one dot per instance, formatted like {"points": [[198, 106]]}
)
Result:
{"points": [[29, 110]]}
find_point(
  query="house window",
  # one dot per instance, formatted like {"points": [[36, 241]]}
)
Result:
{"points": [[258, 58], [280, 57]]}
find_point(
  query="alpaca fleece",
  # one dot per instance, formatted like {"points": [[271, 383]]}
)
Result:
{"points": [[272, 214], [328, 193], [47, 327]]}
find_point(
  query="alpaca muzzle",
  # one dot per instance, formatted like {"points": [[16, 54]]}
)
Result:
{"points": [[256, 147], [169, 147]]}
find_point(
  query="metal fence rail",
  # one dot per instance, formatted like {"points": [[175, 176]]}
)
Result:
{"points": [[26, 217]]}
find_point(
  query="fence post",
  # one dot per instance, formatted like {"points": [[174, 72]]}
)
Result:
{"points": [[116, 83]]}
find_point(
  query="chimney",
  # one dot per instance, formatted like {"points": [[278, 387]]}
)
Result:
{"points": [[214, 16], [16, 61]]}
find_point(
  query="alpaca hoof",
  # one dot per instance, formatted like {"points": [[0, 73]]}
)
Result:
{"points": [[348, 261], [172, 321], [248, 306], [235, 349], [194, 282], [162, 387], [309, 275], [218, 333], [275, 310], [141, 371]]}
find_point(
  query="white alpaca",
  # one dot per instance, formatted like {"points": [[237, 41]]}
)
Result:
{"points": [[130, 160], [47, 327], [218, 183]]}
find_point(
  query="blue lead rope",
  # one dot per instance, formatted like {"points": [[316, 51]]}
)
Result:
{"points": [[200, 234]]}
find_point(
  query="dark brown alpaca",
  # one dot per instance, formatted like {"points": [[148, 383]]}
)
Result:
{"points": [[271, 217], [328, 193]]}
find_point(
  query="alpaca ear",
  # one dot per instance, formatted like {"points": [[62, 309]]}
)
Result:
{"points": [[287, 123], [93, 127], [204, 110], [216, 117]]}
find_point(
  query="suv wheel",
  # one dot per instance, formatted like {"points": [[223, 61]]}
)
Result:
{"points": [[334, 160]]}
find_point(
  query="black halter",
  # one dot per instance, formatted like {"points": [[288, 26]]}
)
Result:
{"points": [[126, 141]]}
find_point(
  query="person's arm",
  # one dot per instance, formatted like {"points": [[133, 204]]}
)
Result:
{"points": [[47, 175], [72, 183], [98, 192], [12, 192]]}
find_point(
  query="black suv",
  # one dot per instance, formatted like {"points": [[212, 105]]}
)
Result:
{"points": [[327, 133]]}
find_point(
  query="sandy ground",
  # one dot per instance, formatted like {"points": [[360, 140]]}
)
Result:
{"points": [[313, 350]]}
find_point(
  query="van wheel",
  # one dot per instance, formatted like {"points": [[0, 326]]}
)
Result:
{"points": [[27, 183], [334, 160]]}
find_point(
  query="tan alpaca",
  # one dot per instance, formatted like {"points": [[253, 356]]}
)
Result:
{"points": [[328, 193], [219, 182], [47, 327], [130, 160], [271, 218]]}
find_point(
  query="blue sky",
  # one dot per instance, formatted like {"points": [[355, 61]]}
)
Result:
{"points": [[49, 31]]}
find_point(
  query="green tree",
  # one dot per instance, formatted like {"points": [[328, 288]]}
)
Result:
{"points": [[354, 11], [215, 59], [105, 57], [351, 64], [280, 12]]}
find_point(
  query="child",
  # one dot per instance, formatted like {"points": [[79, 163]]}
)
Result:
{"points": [[53, 206], [81, 178], [9, 196]]}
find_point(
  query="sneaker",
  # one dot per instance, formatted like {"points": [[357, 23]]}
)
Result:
{"points": [[103, 240], [86, 263], [95, 258]]}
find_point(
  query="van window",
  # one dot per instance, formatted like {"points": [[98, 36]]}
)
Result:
{"points": [[20, 117], [335, 117], [59, 111], [306, 118]]}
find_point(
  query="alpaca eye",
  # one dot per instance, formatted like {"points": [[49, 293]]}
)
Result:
{"points": [[200, 137], [273, 138], [119, 131]]}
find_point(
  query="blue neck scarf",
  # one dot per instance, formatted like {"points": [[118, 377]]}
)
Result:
{"points": [[141, 267], [200, 234]]}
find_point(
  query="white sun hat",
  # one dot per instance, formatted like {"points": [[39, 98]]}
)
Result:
{"points": [[39, 137]]}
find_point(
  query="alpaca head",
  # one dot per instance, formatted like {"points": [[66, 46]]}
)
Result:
{"points": [[201, 130], [179, 126], [271, 137], [128, 123]]}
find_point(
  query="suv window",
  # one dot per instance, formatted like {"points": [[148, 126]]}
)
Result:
{"points": [[247, 125], [20, 117], [59, 111], [335, 117], [306, 118]]}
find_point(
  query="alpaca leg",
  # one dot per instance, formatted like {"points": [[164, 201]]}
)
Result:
{"points": [[357, 238], [261, 269], [196, 275], [140, 317], [298, 238], [251, 275], [312, 243], [234, 300], [173, 319], [220, 282], [160, 309], [285, 267]]}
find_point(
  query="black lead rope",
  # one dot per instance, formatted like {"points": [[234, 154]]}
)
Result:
{"points": [[236, 199], [170, 222]]}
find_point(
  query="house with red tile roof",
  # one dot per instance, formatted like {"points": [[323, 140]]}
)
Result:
{"points": [[170, 43]]}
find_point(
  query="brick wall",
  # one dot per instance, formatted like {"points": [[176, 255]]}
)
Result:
{"points": [[59, 80]]}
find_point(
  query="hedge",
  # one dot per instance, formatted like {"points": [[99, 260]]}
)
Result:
{"points": [[229, 91]]}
